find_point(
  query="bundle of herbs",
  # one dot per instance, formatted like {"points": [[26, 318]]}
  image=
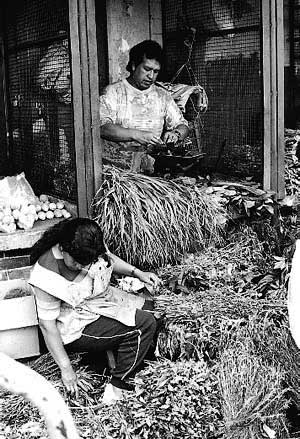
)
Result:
{"points": [[253, 396], [275, 345], [151, 222]]}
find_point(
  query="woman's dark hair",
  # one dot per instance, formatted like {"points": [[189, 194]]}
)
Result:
{"points": [[149, 49], [82, 238]]}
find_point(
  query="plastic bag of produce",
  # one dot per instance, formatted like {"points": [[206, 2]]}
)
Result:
{"points": [[294, 296], [16, 190]]}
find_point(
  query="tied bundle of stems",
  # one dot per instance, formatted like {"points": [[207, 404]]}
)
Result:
{"points": [[276, 346], [253, 397], [151, 222]]}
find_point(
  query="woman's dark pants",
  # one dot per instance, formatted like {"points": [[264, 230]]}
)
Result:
{"points": [[129, 343]]}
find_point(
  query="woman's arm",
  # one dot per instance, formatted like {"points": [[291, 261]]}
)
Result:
{"points": [[122, 267], [48, 309], [56, 348]]}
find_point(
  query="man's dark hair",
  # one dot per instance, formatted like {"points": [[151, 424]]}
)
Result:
{"points": [[149, 49]]}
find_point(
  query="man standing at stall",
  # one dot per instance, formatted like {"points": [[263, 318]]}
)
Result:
{"points": [[136, 114]]}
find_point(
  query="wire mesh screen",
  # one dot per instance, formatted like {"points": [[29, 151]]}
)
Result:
{"points": [[39, 95], [226, 61]]}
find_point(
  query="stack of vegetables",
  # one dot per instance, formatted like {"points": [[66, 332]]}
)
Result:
{"points": [[22, 214]]}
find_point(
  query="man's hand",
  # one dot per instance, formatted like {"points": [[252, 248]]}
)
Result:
{"points": [[145, 138], [172, 136], [69, 379]]}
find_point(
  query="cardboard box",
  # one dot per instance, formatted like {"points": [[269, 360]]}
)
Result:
{"points": [[18, 320]]}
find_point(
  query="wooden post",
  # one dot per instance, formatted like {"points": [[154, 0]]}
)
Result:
{"points": [[20, 379], [273, 97], [85, 82], [5, 162]]}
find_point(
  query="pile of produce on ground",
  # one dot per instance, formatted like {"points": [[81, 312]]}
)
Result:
{"points": [[237, 397], [228, 367], [151, 222], [243, 197], [204, 323], [173, 400]]}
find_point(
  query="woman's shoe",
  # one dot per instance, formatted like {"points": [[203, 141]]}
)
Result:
{"points": [[112, 394]]}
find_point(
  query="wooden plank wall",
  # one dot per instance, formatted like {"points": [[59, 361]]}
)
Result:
{"points": [[128, 23]]}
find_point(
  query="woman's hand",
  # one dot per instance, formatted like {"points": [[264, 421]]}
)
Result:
{"points": [[69, 379], [148, 278]]}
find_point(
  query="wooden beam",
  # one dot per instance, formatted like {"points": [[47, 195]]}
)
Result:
{"points": [[273, 95], [85, 86], [5, 163], [280, 100]]}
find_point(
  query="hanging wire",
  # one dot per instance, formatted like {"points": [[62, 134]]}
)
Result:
{"points": [[189, 43]]}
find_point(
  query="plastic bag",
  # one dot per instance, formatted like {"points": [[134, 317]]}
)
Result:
{"points": [[294, 296], [16, 190], [181, 93], [54, 71]]}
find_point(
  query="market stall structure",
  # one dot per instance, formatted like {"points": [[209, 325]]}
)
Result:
{"points": [[56, 57]]}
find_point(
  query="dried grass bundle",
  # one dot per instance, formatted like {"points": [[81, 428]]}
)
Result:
{"points": [[15, 409], [151, 222], [253, 399]]}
